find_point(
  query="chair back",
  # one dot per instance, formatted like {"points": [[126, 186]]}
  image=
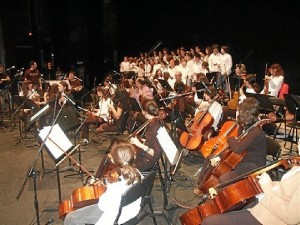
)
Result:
{"points": [[291, 104], [273, 148], [138, 190], [283, 90]]}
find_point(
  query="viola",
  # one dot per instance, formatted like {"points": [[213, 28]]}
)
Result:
{"points": [[202, 121], [216, 144], [235, 193]]}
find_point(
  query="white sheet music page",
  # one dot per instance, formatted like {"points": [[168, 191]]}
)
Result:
{"points": [[57, 142], [167, 145]]}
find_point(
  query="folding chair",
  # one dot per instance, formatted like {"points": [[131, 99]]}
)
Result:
{"points": [[273, 153], [293, 107], [139, 190]]}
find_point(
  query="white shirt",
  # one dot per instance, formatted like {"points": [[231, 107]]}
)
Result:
{"points": [[215, 110], [103, 111], [226, 64], [109, 203], [214, 62]]}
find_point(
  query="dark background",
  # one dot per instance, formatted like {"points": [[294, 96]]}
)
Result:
{"points": [[93, 36]]}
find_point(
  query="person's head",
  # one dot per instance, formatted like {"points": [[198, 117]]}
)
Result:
{"points": [[210, 93], [250, 82], [276, 70], [225, 49], [178, 76], [150, 107], [122, 154], [179, 87], [215, 48], [248, 112], [1, 68], [32, 64], [240, 69], [102, 92], [71, 75], [62, 86]]}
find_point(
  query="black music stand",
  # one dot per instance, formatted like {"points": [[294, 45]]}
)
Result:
{"points": [[134, 105], [266, 105], [172, 157], [23, 103], [165, 84]]}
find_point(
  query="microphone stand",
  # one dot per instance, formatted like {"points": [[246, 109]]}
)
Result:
{"points": [[32, 173]]}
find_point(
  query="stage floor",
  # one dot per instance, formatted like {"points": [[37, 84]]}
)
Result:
{"points": [[17, 158]]}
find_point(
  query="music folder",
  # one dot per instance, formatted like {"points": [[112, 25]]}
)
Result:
{"points": [[165, 85]]}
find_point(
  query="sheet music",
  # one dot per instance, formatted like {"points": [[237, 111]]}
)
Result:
{"points": [[57, 142], [44, 109], [167, 145]]}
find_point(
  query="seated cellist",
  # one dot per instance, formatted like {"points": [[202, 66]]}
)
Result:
{"points": [[254, 141], [215, 109]]}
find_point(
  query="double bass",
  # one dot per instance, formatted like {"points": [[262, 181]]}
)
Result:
{"points": [[202, 121], [233, 194]]}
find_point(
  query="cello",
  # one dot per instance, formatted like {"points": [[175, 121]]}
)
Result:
{"points": [[233, 194], [215, 144], [225, 161], [202, 121], [88, 195]]}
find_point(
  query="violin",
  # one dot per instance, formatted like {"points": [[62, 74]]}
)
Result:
{"points": [[233, 194], [202, 121]]}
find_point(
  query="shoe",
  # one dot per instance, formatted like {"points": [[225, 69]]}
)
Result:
{"points": [[280, 136], [85, 142]]}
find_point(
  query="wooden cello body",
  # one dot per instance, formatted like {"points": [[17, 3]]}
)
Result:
{"points": [[87, 195], [233, 194], [193, 139], [84, 196], [228, 161], [232, 197], [216, 144]]}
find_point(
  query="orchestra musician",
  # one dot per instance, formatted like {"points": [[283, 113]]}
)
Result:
{"points": [[76, 86], [29, 92], [97, 116], [148, 149], [215, 109], [122, 155], [118, 110], [279, 204], [274, 81], [254, 141], [33, 74]]}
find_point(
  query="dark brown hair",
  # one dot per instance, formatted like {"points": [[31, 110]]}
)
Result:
{"points": [[123, 156], [248, 112], [150, 107]]}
